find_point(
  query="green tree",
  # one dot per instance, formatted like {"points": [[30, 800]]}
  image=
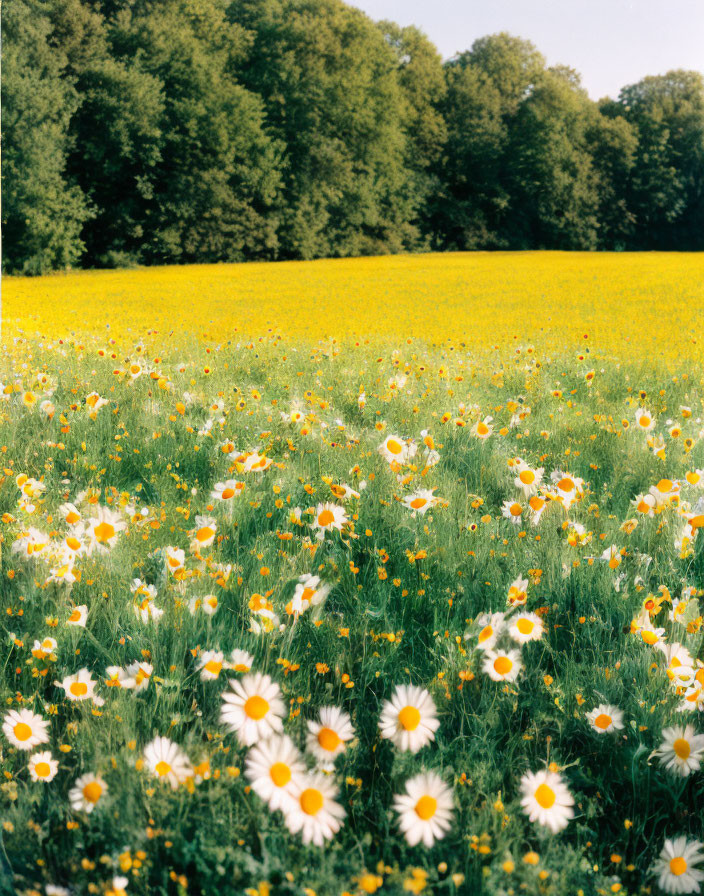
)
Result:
{"points": [[116, 133], [612, 143], [43, 211], [666, 187], [329, 83], [423, 89], [485, 89], [553, 186], [203, 173]]}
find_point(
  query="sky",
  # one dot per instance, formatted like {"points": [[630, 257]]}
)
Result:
{"points": [[611, 43]]}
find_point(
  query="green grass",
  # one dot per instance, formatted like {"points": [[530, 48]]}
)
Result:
{"points": [[218, 835]]}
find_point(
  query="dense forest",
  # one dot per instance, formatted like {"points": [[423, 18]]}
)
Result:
{"points": [[178, 131]]}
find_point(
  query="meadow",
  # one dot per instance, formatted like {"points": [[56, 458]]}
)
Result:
{"points": [[354, 576]]}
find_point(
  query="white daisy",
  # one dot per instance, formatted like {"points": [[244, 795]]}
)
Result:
{"points": [[211, 664], [526, 627], [327, 518], [681, 750], [309, 592], [490, 627], [86, 793], [677, 868], [253, 709], [502, 665], [546, 799], [43, 767], [314, 811], [409, 718], [42, 649], [205, 530], [271, 767], [78, 616], [226, 491], [528, 480], [71, 514], [394, 450], [209, 604], [175, 559], [425, 809], [420, 501], [645, 421], [167, 761], [104, 529], [80, 686], [327, 738], [513, 510], [25, 729], [240, 661], [604, 718]]}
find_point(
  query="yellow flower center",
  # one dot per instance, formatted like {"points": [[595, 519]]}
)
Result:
{"points": [[602, 721], [485, 633], [678, 866], [681, 748], [104, 532], [92, 792], [204, 534], [394, 447], [78, 688], [516, 509], [565, 484], [42, 769], [162, 768], [328, 739], [545, 796], [280, 774], [325, 517], [417, 503], [311, 801], [409, 718], [22, 731], [525, 626], [503, 665], [527, 477], [256, 707], [426, 807], [213, 666], [228, 493]]}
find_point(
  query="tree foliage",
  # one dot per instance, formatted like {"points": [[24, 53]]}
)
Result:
{"points": [[177, 131]]}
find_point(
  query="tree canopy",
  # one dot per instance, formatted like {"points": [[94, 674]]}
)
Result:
{"points": [[178, 131]]}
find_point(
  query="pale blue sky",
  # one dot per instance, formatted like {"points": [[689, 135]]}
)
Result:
{"points": [[610, 42]]}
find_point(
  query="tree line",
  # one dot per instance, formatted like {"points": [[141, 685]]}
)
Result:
{"points": [[179, 131]]}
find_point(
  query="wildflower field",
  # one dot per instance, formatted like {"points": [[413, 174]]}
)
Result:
{"points": [[354, 576]]}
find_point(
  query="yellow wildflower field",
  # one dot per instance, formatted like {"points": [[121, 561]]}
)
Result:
{"points": [[637, 305]]}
